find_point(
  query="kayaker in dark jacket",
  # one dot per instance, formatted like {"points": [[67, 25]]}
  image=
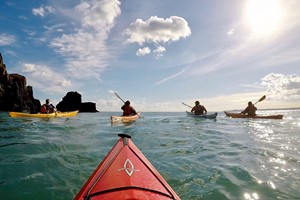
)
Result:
{"points": [[127, 109], [47, 107], [198, 109], [250, 110]]}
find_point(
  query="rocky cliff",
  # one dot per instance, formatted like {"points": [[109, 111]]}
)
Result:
{"points": [[15, 95]]}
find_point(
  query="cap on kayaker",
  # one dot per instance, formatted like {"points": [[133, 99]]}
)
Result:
{"points": [[197, 102], [127, 103]]}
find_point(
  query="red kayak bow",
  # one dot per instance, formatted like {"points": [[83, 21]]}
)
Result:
{"points": [[125, 173]]}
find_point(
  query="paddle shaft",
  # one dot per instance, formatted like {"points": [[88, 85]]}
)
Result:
{"points": [[186, 105], [119, 97]]}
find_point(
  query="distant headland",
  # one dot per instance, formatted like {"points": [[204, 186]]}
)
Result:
{"points": [[15, 95]]}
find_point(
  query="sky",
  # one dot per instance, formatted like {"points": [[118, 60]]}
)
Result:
{"points": [[157, 54]]}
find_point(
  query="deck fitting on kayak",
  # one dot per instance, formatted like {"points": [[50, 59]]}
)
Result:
{"points": [[122, 135], [125, 138]]}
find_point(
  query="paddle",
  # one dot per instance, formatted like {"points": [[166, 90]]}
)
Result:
{"points": [[119, 97], [124, 102], [186, 105], [261, 99]]}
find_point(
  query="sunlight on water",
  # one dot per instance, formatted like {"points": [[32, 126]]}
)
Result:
{"points": [[263, 131], [278, 160], [272, 184], [252, 196]]}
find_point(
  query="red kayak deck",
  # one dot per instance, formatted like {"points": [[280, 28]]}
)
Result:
{"points": [[125, 173]]}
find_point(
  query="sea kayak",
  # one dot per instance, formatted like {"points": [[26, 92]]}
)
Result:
{"points": [[125, 119], [43, 115], [207, 116], [241, 115], [125, 173]]}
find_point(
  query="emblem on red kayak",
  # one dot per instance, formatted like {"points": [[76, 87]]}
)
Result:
{"points": [[128, 167]]}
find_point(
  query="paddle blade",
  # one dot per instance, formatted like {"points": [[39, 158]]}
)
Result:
{"points": [[262, 98]]}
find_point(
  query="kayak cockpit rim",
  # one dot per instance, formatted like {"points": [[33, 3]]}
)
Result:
{"points": [[128, 188]]}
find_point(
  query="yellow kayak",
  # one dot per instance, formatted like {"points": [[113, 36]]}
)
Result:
{"points": [[125, 119], [42, 115]]}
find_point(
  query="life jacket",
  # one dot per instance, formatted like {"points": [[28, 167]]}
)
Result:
{"points": [[127, 110], [44, 109]]}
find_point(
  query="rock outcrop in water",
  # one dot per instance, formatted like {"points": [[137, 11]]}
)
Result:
{"points": [[88, 107], [15, 95], [72, 101]]}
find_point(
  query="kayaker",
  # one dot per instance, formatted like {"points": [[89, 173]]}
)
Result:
{"points": [[127, 109], [47, 107], [250, 110], [198, 109]]}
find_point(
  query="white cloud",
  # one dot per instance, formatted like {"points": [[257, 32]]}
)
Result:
{"points": [[230, 32], [159, 51], [282, 87], [99, 15], [23, 17], [28, 68], [42, 11], [109, 105], [85, 50], [6, 39], [157, 30], [143, 51], [146, 50], [45, 78], [30, 33]]}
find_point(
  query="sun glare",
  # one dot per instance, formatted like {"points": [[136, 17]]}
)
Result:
{"points": [[264, 16]]}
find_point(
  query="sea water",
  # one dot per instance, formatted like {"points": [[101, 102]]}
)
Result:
{"points": [[216, 159]]}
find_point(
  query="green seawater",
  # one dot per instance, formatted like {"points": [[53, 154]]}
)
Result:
{"points": [[200, 158]]}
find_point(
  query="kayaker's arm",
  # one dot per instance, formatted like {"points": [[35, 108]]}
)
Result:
{"points": [[204, 110]]}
